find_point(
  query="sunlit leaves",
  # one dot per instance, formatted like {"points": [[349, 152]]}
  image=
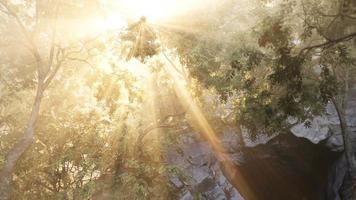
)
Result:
{"points": [[142, 41], [272, 81]]}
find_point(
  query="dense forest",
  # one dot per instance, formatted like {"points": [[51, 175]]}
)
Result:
{"points": [[178, 99]]}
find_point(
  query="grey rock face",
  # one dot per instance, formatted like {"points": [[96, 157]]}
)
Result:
{"points": [[318, 131], [197, 162], [187, 196], [339, 181], [177, 183], [206, 180], [328, 126]]}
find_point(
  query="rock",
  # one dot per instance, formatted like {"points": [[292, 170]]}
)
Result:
{"points": [[335, 142], [215, 193], [198, 174], [205, 185], [198, 153], [332, 115], [176, 182], [230, 140], [204, 176], [287, 167], [318, 131], [336, 178], [187, 196], [277, 167]]}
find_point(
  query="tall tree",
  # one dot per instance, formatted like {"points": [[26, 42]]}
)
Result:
{"points": [[294, 60], [46, 71], [37, 31]]}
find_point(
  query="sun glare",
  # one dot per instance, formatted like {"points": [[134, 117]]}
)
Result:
{"points": [[154, 10]]}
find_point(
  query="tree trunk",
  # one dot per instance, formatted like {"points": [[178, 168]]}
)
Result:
{"points": [[348, 147], [20, 147], [349, 152]]}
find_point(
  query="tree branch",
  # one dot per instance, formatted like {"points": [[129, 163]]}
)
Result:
{"points": [[27, 34], [52, 49], [53, 72], [160, 125], [327, 44]]}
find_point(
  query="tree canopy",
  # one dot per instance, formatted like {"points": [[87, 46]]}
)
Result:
{"points": [[88, 111]]}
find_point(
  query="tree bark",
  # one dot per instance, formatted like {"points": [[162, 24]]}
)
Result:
{"points": [[20, 147], [348, 147], [349, 151]]}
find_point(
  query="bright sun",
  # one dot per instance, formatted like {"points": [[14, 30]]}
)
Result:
{"points": [[119, 12], [153, 9]]}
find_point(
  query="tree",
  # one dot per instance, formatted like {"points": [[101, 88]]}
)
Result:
{"points": [[46, 71], [99, 141], [88, 129], [28, 27], [295, 60]]}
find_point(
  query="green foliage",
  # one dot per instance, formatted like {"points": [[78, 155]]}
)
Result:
{"points": [[328, 85], [85, 145], [266, 74], [86, 135], [141, 39]]}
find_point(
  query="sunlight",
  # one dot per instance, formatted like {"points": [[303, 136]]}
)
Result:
{"points": [[177, 99], [206, 130], [154, 10], [111, 22], [135, 67]]}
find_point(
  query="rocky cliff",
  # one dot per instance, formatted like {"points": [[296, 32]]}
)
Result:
{"points": [[307, 163]]}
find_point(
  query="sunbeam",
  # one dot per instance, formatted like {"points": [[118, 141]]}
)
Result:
{"points": [[177, 99], [205, 129]]}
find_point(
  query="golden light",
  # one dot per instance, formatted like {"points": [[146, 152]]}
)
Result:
{"points": [[120, 13], [206, 130], [154, 10]]}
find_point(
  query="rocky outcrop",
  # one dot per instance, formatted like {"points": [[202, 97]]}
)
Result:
{"points": [[202, 176], [328, 127], [288, 167], [307, 164]]}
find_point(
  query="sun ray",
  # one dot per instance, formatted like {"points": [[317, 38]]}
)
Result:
{"points": [[155, 10], [175, 27], [207, 131]]}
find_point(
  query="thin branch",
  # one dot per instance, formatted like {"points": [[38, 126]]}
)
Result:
{"points": [[349, 16], [331, 23], [326, 15], [54, 32], [4, 11], [159, 125], [53, 73], [306, 21], [81, 60], [327, 44], [173, 115], [27, 35]]}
